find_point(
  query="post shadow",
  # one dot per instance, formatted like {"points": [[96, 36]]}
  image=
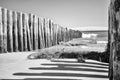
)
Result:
{"points": [[85, 62], [60, 74], [64, 67]]}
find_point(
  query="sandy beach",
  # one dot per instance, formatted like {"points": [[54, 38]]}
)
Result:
{"points": [[16, 65]]}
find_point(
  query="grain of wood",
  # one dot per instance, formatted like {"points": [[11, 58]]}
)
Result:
{"points": [[10, 31], [4, 20], [43, 32], [35, 25], [20, 32], [24, 32], [31, 29], [114, 36], [1, 32], [40, 36], [28, 33], [15, 31]]}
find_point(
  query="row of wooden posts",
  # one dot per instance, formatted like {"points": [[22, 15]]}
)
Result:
{"points": [[25, 32]]}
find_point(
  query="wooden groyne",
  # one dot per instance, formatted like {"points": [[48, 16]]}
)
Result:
{"points": [[26, 32]]}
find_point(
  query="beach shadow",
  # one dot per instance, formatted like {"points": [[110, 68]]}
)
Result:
{"points": [[102, 64], [40, 79], [63, 67], [61, 74], [48, 79], [11, 79], [67, 68], [76, 65]]}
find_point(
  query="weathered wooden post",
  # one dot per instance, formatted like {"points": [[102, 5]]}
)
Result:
{"points": [[50, 32], [41, 40], [39, 34], [31, 29], [10, 31], [114, 30], [4, 20], [58, 34], [47, 32], [42, 33], [62, 33], [47, 28], [1, 32], [35, 32], [20, 31], [56, 29], [15, 32], [28, 32], [53, 34], [65, 34], [24, 33]]}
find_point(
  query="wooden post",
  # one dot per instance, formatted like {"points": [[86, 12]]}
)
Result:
{"points": [[10, 32], [35, 25], [47, 33], [43, 33], [15, 32], [24, 33], [62, 33], [53, 34], [4, 20], [1, 32], [52, 28], [50, 33], [114, 30], [67, 37], [36, 32], [108, 45], [68, 34], [40, 34], [31, 29], [56, 32], [28, 33], [20, 31]]}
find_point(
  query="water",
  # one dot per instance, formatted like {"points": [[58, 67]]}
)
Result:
{"points": [[101, 35]]}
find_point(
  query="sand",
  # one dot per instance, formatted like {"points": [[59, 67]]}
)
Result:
{"points": [[17, 66]]}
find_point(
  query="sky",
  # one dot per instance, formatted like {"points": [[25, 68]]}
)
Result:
{"points": [[75, 14]]}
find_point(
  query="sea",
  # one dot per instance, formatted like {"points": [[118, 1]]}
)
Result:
{"points": [[102, 35]]}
